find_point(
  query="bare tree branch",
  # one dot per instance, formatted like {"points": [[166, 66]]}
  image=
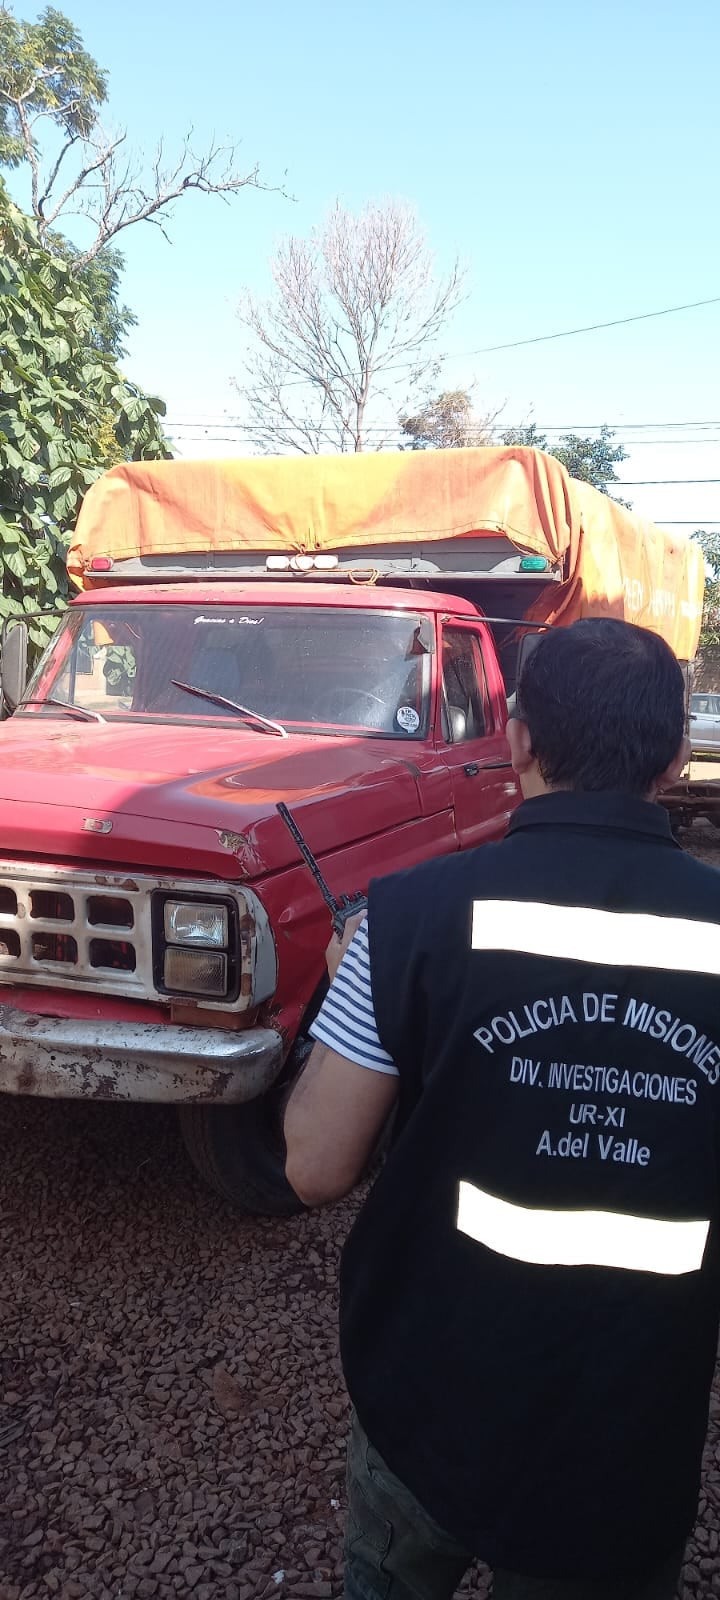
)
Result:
{"points": [[79, 184], [126, 200], [354, 306], [53, 175], [122, 197]]}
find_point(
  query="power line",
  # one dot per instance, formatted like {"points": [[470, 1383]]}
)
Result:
{"points": [[544, 338], [209, 419], [593, 327], [376, 430], [227, 429], [636, 483], [238, 435], [670, 444], [540, 338]]}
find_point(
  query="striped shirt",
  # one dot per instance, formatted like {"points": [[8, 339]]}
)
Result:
{"points": [[346, 1020]]}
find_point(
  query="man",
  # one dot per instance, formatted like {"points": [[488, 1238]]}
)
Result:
{"points": [[530, 1296]]}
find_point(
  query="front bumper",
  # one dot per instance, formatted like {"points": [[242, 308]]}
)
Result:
{"points": [[74, 1059]]}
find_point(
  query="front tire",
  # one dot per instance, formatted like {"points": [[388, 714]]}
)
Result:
{"points": [[240, 1150]]}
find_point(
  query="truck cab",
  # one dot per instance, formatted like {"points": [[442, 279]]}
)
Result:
{"points": [[161, 937]]}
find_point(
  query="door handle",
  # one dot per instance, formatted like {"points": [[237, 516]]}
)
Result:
{"points": [[473, 768]]}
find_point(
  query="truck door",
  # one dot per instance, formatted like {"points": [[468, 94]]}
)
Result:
{"points": [[473, 742]]}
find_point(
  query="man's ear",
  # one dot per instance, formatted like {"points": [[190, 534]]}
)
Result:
{"points": [[673, 771], [521, 750]]}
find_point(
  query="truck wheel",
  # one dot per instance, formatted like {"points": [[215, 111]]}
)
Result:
{"points": [[240, 1150]]}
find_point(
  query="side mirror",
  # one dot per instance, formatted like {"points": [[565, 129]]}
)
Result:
{"points": [[528, 643], [14, 664]]}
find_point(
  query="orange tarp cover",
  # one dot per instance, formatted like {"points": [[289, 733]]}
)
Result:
{"points": [[613, 562]]}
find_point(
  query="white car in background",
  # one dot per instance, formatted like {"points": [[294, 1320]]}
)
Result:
{"points": [[705, 723]]}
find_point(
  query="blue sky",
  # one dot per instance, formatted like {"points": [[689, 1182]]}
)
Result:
{"points": [[568, 153]]}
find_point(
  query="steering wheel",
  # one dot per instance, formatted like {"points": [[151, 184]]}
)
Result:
{"points": [[336, 703]]}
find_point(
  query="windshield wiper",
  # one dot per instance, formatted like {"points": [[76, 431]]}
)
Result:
{"points": [[82, 712], [265, 723]]}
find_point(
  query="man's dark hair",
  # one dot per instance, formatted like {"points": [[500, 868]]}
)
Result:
{"points": [[605, 705]]}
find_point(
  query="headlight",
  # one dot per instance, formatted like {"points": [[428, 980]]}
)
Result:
{"points": [[196, 971], [186, 923], [217, 949], [198, 948]]}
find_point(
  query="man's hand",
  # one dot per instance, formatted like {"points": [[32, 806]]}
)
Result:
{"points": [[337, 947]]}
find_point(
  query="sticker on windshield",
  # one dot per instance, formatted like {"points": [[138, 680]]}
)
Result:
{"points": [[232, 622], [407, 718]]}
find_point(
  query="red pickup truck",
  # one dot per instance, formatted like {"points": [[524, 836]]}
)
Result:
{"points": [[161, 937]]}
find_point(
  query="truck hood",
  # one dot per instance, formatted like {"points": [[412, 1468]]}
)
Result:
{"points": [[193, 799]]}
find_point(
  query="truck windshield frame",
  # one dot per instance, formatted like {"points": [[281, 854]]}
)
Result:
{"points": [[321, 670]]}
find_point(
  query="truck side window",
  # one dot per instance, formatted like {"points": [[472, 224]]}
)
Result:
{"points": [[465, 709]]}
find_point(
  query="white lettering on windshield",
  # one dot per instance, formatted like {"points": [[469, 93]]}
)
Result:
{"points": [[231, 622]]}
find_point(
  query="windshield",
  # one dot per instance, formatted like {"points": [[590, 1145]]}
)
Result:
{"points": [[306, 668]]}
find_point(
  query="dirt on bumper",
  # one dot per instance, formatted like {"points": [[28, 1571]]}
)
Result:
{"points": [[72, 1058]]}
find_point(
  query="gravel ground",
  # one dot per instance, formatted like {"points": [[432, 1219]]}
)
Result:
{"points": [[172, 1417]]}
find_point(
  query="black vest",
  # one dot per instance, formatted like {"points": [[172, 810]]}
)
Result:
{"points": [[530, 1296]]}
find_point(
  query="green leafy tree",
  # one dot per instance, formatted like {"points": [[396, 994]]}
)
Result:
{"points": [[100, 281], [449, 422], [591, 460], [710, 545], [66, 414], [45, 71], [527, 437]]}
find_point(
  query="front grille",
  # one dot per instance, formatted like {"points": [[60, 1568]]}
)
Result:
{"points": [[109, 911], [64, 928], [114, 955], [58, 947], [75, 929], [46, 906]]}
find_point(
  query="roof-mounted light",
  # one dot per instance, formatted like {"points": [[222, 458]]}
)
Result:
{"points": [[301, 563], [100, 564]]}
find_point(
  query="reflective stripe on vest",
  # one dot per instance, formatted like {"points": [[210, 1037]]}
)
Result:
{"points": [[605, 938], [581, 1238]]}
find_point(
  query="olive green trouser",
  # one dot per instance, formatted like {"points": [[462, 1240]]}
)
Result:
{"points": [[395, 1551]]}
